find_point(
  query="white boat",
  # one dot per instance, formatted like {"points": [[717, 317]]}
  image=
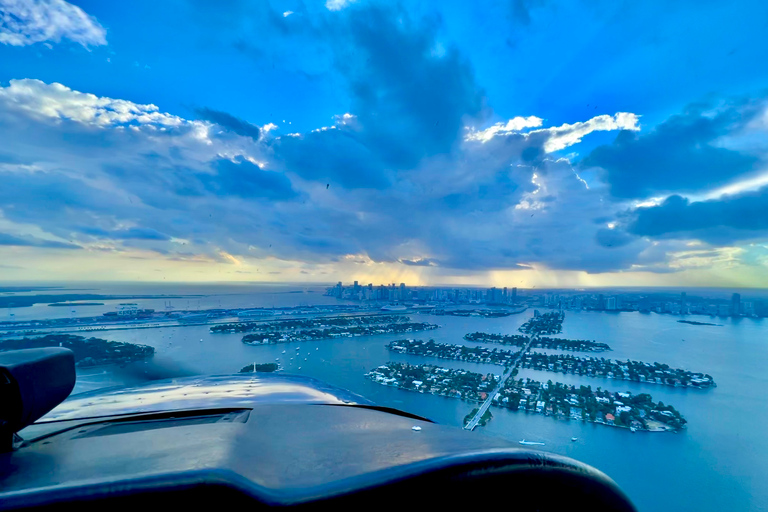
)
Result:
{"points": [[531, 443], [283, 351], [574, 439], [416, 428]]}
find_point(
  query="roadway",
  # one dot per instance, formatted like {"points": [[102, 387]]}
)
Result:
{"points": [[508, 372]]}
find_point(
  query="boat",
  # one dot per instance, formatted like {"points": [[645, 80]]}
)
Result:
{"points": [[632, 429], [283, 351], [531, 443], [416, 428], [574, 439]]}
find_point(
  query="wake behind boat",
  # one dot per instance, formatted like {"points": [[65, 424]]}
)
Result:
{"points": [[531, 443]]}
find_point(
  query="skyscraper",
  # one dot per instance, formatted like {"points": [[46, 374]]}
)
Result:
{"points": [[683, 305], [514, 295], [735, 304]]}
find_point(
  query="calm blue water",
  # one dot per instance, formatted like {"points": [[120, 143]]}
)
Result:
{"points": [[719, 463]]}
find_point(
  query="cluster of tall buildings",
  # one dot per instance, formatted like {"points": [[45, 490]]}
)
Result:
{"points": [[402, 293], [565, 299], [685, 305]]}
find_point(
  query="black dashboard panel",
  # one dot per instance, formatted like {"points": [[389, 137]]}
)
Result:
{"points": [[304, 455]]}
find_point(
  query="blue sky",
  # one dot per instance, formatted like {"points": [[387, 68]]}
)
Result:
{"points": [[527, 142]]}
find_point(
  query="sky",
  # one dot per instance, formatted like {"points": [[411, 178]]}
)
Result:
{"points": [[504, 143]]}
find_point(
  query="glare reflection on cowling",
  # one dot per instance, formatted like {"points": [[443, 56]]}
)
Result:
{"points": [[201, 393]]}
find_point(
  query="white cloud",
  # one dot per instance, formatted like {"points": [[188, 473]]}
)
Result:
{"points": [[268, 127], [514, 125], [58, 102], [557, 137], [25, 22], [337, 5], [570, 134]]}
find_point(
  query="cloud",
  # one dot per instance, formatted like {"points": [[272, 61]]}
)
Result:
{"points": [[230, 122], [26, 22], [720, 221], [56, 102], [337, 5], [244, 179], [521, 10], [134, 233], [682, 154], [420, 262], [557, 137], [29, 241]]}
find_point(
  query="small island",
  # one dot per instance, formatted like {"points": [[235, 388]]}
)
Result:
{"points": [[561, 401], [308, 323], [693, 322], [481, 313], [88, 352], [519, 340], [637, 371], [548, 323], [74, 304], [484, 419], [456, 352], [262, 368], [271, 338]]}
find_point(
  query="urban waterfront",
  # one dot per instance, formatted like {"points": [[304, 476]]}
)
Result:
{"points": [[718, 462]]}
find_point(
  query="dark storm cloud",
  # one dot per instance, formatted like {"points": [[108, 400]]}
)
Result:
{"points": [[247, 180], [335, 156], [30, 241], [410, 95], [679, 155], [229, 122], [720, 221], [410, 98], [612, 238], [521, 10]]}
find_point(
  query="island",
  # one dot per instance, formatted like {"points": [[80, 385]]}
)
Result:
{"points": [[548, 323], [456, 352], [88, 352], [637, 371], [519, 340], [481, 313], [73, 304], [561, 401], [426, 378], [693, 322], [484, 419], [308, 323], [262, 368], [269, 338], [567, 402]]}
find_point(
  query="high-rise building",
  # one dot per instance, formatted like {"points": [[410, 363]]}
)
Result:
{"points": [[683, 305], [514, 295], [735, 304], [403, 292], [610, 303]]}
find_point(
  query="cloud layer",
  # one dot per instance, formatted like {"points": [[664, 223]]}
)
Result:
{"points": [[416, 171], [26, 22]]}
